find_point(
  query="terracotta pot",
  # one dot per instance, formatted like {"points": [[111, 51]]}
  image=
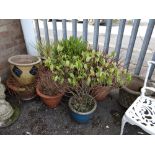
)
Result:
{"points": [[24, 92], [50, 101], [24, 68], [100, 93]]}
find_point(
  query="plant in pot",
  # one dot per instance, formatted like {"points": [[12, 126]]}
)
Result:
{"points": [[90, 66], [100, 71], [62, 54], [50, 91], [105, 74], [82, 105]]}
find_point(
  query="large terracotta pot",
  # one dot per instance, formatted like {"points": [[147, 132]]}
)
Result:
{"points": [[24, 68], [100, 92], [50, 101]]}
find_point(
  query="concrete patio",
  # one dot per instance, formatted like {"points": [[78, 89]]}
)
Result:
{"points": [[38, 119]]}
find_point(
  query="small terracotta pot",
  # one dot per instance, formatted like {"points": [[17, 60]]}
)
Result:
{"points": [[100, 92], [50, 101]]}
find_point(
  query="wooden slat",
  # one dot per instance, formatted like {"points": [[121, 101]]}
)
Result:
{"points": [[107, 35], [131, 43], [46, 30], [37, 30], [144, 46], [119, 38], [55, 35], [64, 29], [96, 34], [74, 27], [85, 29]]}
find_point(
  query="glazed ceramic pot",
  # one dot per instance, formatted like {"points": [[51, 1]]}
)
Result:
{"points": [[24, 68], [81, 117], [50, 101]]}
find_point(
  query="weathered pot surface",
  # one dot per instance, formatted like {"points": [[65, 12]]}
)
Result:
{"points": [[50, 101], [81, 117], [128, 94], [24, 68], [27, 92]]}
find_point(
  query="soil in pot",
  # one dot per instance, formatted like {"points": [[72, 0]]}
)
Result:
{"points": [[129, 93], [82, 111], [100, 92], [24, 68], [48, 98], [27, 92]]}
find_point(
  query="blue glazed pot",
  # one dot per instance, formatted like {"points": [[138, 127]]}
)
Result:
{"points": [[81, 117]]}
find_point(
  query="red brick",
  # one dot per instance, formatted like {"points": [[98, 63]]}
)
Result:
{"points": [[11, 43]]}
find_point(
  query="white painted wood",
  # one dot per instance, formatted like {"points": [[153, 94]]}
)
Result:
{"points": [[29, 35]]}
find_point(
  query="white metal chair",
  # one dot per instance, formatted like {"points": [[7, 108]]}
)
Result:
{"points": [[142, 111]]}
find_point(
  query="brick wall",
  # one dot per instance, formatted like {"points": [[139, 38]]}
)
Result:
{"points": [[11, 43]]}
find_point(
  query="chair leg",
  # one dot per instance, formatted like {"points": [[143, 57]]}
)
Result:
{"points": [[122, 125]]}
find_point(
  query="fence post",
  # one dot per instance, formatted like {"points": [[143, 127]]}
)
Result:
{"points": [[29, 36]]}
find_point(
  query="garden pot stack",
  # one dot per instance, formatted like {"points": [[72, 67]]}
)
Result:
{"points": [[24, 69]]}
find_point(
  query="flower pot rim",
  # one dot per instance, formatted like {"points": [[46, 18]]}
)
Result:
{"points": [[47, 96], [38, 60], [133, 91], [82, 113]]}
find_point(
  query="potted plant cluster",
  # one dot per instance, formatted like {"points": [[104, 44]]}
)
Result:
{"points": [[70, 66], [22, 81], [79, 67]]}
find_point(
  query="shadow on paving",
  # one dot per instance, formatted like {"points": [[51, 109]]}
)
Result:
{"points": [[38, 119]]}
